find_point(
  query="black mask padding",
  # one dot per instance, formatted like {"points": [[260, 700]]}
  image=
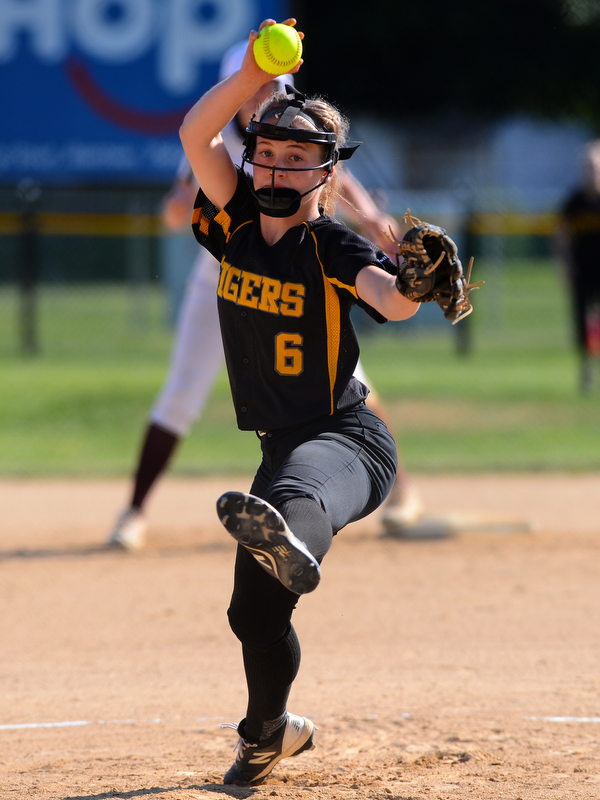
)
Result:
{"points": [[277, 202]]}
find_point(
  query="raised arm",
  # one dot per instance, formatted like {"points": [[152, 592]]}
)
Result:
{"points": [[201, 129]]}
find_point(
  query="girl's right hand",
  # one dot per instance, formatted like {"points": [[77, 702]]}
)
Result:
{"points": [[250, 67]]}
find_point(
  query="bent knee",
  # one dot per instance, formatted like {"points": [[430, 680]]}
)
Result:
{"points": [[256, 630]]}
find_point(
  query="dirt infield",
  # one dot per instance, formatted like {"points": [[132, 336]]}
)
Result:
{"points": [[458, 667]]}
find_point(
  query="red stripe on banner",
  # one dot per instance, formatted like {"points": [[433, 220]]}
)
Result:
{"points": [[154, 123]]}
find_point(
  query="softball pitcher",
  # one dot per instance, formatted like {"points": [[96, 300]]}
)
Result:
{"points": [[290, 274]]}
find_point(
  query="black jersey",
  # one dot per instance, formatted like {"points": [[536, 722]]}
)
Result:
{"points": [[284, 309], [581, 213]]}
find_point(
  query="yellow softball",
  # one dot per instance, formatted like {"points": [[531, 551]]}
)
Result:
{"points": [[278, 48]]}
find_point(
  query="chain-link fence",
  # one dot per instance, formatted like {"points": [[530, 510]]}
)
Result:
{"points": [[88, 267], [62, 249]]}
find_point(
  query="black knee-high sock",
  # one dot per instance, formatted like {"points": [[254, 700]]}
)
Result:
{"points": [[309, 523], [270, 672], [157, 449], [269, 675]]}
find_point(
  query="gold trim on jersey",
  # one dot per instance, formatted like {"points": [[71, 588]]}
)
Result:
{"points": [[332, 322], [200, 220], [350, 289], [222, 219]]}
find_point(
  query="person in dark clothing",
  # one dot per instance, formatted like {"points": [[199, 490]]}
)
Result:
{"points": [[579, 242]]}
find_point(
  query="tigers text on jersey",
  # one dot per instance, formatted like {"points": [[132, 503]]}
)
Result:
{"points": [[284, 309]]}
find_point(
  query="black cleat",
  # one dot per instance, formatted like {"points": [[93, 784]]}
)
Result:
{"points": [[253, 762], [262, 530]]}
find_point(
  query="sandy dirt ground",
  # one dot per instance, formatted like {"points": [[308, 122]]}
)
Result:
{"points": [[466, 666]]}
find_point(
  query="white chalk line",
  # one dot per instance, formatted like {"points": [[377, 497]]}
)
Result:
{"points": [[565, 719], [69, 724], [82, 722]]}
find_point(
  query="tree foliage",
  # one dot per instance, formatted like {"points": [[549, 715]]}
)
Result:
{"points": [[483, 58]]}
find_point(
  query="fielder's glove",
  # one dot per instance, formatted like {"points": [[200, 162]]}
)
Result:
{"points": [[431, 270]]}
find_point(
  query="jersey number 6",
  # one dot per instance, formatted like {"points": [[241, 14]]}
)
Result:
{"points": [[289, 358]]}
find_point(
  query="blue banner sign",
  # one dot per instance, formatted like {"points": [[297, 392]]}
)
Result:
{"points": [[95, 90]]}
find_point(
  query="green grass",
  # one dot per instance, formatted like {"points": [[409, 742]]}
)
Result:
{"points": [[512, 402]]}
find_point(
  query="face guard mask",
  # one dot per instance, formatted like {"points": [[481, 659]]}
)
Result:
{"points": [[280, 202]]}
